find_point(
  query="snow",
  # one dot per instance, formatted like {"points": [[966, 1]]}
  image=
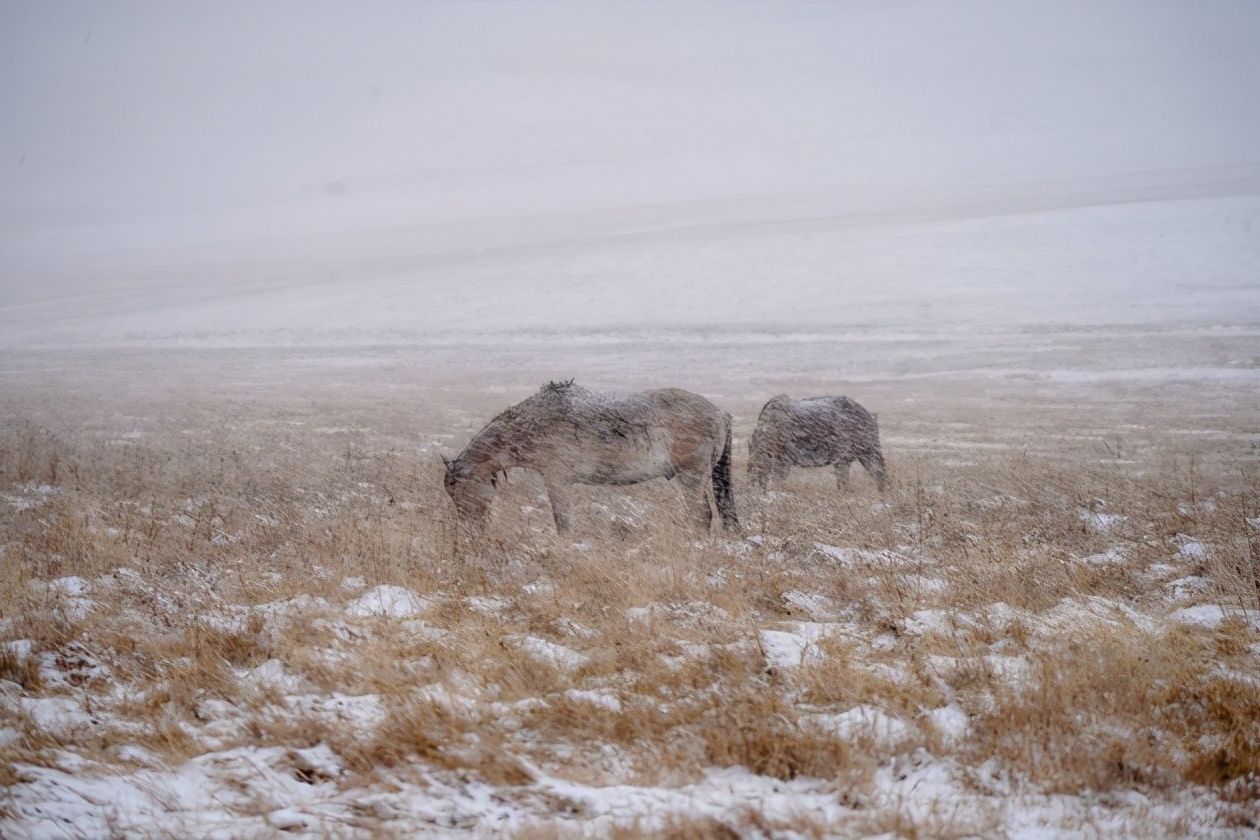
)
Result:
{"points": [[1101, 522], [68, 594], [791, 648], [782, 649], [863, 722], [487, 605], [290, 819], [1188, 586], [1212, 616], [598, 180], [56, 715], [851, 557], [1192, 549], [29, 495], [19, 648], [569, 627], [713, 796], [272, 674], [388, 601], [922, 622], [540, 588], [596, 698], [250, 791], [1016, 671], [1084, 613], [551, 653], [1114, 556], [72, 664], [70, 799], [318, 761], [813, 604], [364, 712], [951, 721], [73, 586]]}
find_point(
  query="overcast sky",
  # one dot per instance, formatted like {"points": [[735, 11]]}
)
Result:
{"points": [[344, 113]]}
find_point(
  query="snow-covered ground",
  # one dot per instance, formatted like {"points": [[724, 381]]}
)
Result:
{"points": [[1009, 645], [261, 266], [921, 773], [782, 275]]}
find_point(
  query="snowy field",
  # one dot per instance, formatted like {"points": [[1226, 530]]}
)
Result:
{"points": [[233, 604], [262, 265], [742, 271]]}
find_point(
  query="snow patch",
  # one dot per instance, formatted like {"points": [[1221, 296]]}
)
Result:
{"points": [[388, 601], [813, 604], [1190, 549], [1101, 522], [566, 659], [951, 722], [487, 605], [596, 698], [791, 648], [851, 557], [1187, 586], [29, 495], [1212, 616], [863, 722], [1114, 556]]}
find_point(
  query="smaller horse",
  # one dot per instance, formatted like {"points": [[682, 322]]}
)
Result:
{"points": [[570, 435], [814, 432]]}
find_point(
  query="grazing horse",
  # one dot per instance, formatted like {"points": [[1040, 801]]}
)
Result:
{"points": [[570, 435], [814, 432]]}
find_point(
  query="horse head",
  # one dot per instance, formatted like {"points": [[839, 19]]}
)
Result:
{"points": [[470, 492]]}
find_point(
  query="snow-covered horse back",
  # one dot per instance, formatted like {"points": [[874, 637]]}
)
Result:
{"points": [[570, 435], [814, 432]]}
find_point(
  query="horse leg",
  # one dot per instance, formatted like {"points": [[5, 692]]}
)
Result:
{"points": [[842, 475], [873, 461], [559, 496], [696, 501]]}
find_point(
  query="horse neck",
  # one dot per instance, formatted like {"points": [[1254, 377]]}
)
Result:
{"points": [[502, 445]]}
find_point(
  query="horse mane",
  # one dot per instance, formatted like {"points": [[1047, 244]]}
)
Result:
{"points": [[777, 401], [511, 430], [555, 386]]}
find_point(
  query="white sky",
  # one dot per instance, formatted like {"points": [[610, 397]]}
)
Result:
{"points": [[121, 111]]}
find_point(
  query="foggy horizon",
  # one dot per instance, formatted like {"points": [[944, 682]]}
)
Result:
{"points": [[154, 157], [134, 112]]}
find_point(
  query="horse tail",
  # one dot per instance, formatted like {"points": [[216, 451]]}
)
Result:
{"points": [[722, 489]]}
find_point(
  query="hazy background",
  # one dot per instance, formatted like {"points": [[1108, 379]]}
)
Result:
{"points": [[297, 172]]}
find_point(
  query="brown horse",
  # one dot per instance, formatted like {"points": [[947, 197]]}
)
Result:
{"points": [[570, 435], [814, 432]]}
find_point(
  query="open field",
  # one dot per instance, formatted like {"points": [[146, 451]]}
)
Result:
{"points": [[233, 603], [262, 265]]}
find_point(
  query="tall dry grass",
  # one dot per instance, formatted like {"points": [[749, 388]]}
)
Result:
{"points": [[666, 621]]}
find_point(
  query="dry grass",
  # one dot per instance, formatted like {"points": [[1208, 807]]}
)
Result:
{"points": [[213, 554]]}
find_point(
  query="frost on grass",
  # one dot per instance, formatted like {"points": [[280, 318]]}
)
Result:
{"points": [[644, 682]]}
